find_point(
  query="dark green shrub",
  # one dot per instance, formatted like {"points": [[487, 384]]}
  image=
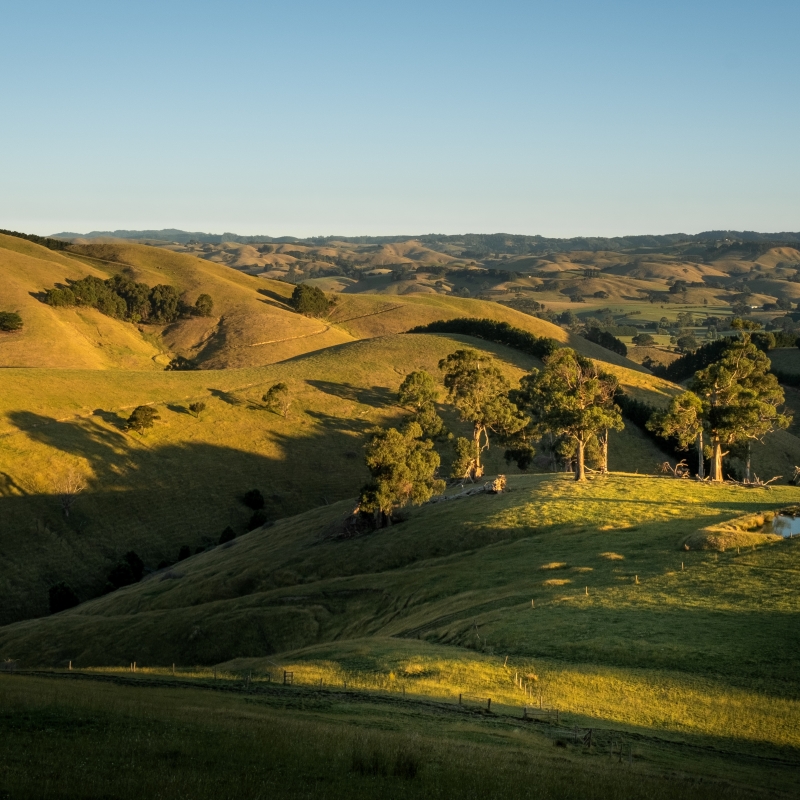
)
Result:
{"points": [[203, 306], [228, 535], [10, 321], [309, 300], [184, 552], [180, 364], [61, 597], [253, 499], [257, 520]]}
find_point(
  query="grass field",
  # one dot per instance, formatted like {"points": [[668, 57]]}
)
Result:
{"points": [[144, 737], [650, 604]]}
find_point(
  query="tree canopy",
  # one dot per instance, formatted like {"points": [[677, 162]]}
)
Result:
{"points": [[10, 321], [572, 397], [403, 469], [309, 300], [740, 399], [479, 391], [142, 418]]}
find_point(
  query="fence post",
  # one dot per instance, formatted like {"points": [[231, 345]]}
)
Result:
{"points": [[70, 665], [459, 698], [489, 704], [173, 670], [134, 666]]}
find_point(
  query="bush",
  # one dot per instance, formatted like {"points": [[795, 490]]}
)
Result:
{"points": [[180, 364], [257, 520], [644, 340], [253, 499], [197, 408], [309, 300], [184, 552], [203, 306], [10, 321], [61, 597], [228, 535]]}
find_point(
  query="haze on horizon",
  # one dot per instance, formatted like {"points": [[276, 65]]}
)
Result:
{"points": [[311, 118]]}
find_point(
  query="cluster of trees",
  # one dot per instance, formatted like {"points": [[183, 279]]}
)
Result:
{"points": [[44, 241], [123, 298], [607, 340], [571, 402], [10, 321], [730, 402]]}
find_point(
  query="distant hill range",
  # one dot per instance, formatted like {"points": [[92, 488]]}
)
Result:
{"points": [[478, 244]]}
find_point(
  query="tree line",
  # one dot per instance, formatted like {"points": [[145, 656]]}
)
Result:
{"points": [[569, 407], [123, 298]]}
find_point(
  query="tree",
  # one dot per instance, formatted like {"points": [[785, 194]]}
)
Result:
{"points": [[203, 306], [277, 399], [740, 399], [10, 321], [644, 340], [61, 597], [687, 343], [180, 364], [683, 421], [197, 408], [142, 419], [67, 488], [572, 397], [403, 469], [228, 535], [419, 392], [309, 300], [165, 303], [479, 391]]}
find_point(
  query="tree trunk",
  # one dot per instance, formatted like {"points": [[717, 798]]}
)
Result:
{"points": [[747, 464], [580, 473], [716, 460], [700, 462], [604, 468]]}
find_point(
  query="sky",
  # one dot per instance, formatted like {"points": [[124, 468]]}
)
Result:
{"points": [[312, 118]]}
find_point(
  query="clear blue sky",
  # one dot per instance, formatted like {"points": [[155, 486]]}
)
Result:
{"points": [[310, 118]]}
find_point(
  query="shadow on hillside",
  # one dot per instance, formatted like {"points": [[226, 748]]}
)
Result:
{"points": [[276, 297], [153, 498], [377, 396], [227, 397]]}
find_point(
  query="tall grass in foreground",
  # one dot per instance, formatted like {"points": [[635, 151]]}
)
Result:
{"points": [[62, 739]]}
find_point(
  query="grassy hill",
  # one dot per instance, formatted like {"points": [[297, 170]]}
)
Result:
{"points": [[587, 587], [252, 324]]}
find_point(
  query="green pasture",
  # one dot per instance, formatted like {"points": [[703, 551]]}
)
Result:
{"points": [[84, 738]]}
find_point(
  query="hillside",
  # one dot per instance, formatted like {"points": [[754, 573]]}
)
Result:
{"points": [[252, 323], [614, 595]]}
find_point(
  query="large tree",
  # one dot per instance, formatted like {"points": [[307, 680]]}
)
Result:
{"points": [[572, 397], [403, 469], [682, 421], [479, 391], [740, 399]]}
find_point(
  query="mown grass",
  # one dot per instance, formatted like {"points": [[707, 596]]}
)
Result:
{"points": [[77, 739]]}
